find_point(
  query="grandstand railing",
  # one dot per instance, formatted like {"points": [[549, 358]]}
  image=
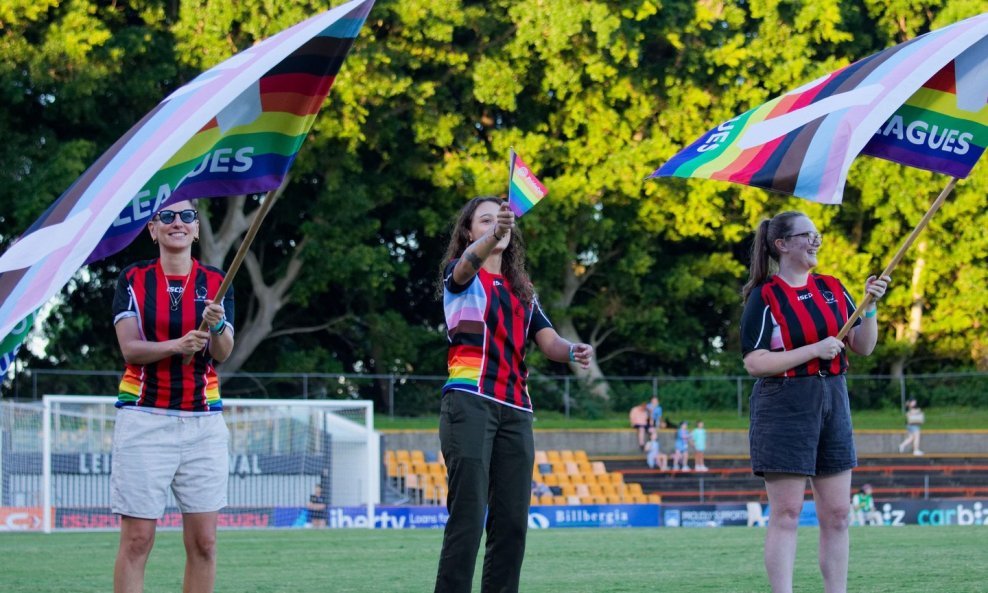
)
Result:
{"points": [[408, 395]]}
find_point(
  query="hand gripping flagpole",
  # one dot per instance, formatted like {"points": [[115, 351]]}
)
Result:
{"points": [[269, 200], [867, 300]]}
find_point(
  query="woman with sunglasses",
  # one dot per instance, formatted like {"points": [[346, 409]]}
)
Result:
{"points": [[800, 413], [170, 432]]}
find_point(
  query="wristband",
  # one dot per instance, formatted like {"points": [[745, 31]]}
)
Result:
{"points": [[218, 328], [572, 352], [871, 313]]}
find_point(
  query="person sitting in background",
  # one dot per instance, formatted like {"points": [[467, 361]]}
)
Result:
{"points": [[654, 415], [681, 456], [654, 455], [638, 416], [540, 489], [863, 510]]}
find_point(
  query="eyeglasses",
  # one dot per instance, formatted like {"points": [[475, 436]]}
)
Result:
{"points": [[168, 216], [809, 235]]}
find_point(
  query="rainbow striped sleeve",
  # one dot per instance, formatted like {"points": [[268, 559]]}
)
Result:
{"points": [[467, 333]]}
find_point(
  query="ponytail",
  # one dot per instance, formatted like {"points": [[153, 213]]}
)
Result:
{"points": [[758, 272]]}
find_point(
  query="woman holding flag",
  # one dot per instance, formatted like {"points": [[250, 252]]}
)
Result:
{"points": [[485, 424], [800, 412], [169, 431]]}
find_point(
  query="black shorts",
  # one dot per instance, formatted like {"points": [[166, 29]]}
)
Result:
{"points": [[801, 425]]}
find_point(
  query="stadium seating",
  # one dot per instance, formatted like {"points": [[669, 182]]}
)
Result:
{"points": [[891, 476], [420, 477]]}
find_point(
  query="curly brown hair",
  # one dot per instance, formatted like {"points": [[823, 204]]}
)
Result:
{"points": [[512, 259]]}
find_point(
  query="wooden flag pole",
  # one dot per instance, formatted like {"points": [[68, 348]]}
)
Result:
{"points": [[269, 200], [898, 255]]}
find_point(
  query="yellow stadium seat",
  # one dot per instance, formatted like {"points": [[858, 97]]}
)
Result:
{"points": [[582, 491], [553, 457], [595, 490], [588, 478], [571, 468], [597, 500], [417, 456], [655, 498], [584, 467], [534, 501], [546, 499], [566, 455], [568, 490], [560, 500], [551, 480], [616, 478], [558, 467], [580, 456], [614, 499], [563, 479], [598, 467]]}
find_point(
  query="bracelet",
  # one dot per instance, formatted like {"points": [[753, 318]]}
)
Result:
{"points": [[218, 328], [572, 352], [871, 313]]}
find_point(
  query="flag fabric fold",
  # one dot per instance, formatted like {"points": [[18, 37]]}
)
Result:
{"points": [[524, 189], [234, 129], [803, 143]]}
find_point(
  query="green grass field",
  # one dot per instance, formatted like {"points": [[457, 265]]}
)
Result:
{"points": [[945, 418], [724, 560]]}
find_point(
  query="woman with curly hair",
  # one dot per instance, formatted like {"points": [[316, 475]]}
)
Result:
{"points": [[485, 424]]}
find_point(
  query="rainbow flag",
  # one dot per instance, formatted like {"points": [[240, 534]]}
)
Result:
{"points": [[234, 129], [524, 189], [804, 142], [935, 129]]}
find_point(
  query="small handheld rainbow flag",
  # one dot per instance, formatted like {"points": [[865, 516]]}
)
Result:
{"points": [[524, 190]]}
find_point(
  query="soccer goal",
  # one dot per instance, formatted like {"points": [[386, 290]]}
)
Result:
{"points": [[289, 460]]}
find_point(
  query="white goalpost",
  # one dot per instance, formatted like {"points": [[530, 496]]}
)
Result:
{"points": [[280, 451]]}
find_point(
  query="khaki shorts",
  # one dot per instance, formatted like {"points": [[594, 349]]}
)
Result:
{"points": [[152, 452]]}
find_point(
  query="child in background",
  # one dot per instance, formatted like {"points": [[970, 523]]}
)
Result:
{"points": [[681, 457], [654, 455], [699, 436]]}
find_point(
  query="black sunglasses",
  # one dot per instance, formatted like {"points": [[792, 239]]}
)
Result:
{"points": [[168, 216]]}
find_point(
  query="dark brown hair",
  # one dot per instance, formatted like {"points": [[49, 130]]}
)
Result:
{"points": [[763, 251], [512, 258]]}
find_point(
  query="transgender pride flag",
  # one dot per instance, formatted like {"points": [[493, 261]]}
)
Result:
{"points": [[235, 129], [524, 190], [921, 103]]}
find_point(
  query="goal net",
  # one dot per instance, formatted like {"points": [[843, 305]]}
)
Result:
{"points": [[291, 461]]}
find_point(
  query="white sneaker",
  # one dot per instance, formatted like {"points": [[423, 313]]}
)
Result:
{"points": [[917, 453], [686, 469], [902, 448], [702, 468]]}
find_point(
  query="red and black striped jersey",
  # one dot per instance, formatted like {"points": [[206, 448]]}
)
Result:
{"points": [[166, 308], [779, 317], [488, 329]]}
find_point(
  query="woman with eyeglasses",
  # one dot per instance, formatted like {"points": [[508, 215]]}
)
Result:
{"points": [[170, 433], [800, 414]]}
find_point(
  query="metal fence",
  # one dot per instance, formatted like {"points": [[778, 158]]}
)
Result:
{"points": [[417, 395]]}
